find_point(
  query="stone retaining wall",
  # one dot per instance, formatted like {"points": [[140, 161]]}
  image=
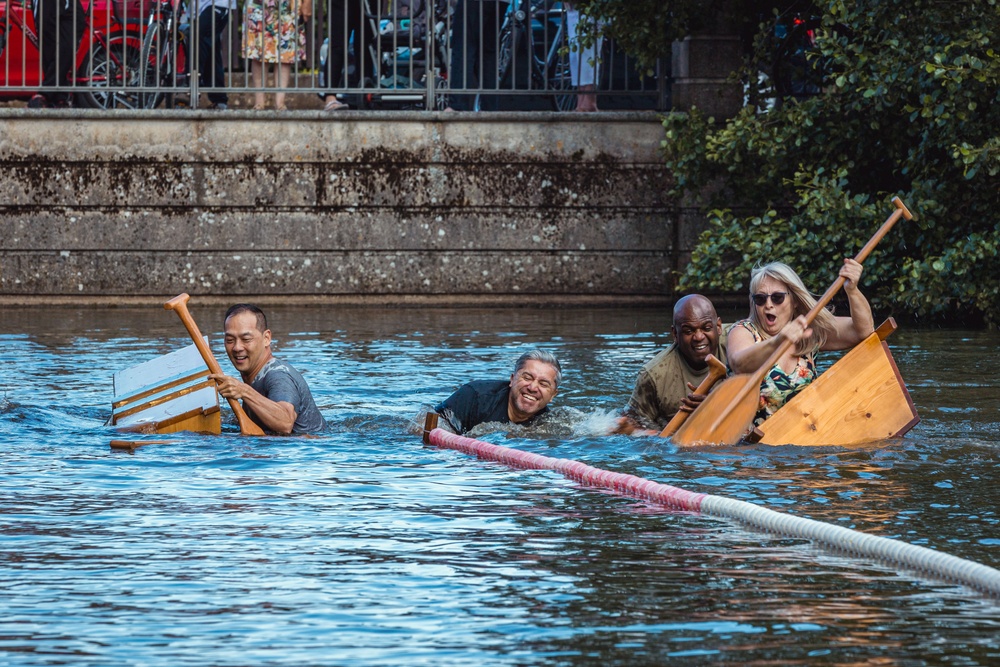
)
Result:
{"points": [[301, 206]]}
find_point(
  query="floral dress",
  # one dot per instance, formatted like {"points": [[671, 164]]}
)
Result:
{"points": [[778, 386], [271, 32]]}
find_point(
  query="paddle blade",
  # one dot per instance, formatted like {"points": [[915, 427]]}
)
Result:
{"points": [[724, 417]]}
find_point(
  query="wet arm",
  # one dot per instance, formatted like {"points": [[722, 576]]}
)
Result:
{"points": [[745, 355], [643, 409], [852, 330], [277, 416]]}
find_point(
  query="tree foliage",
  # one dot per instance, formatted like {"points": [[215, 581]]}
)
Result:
{"points": [[644, 29], [909, 106]]}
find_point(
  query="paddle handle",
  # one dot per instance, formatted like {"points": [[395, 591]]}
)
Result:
{"points": [[716, 371], [900, 212], [179, 305]]}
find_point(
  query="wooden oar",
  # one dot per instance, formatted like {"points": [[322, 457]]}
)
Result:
{"points": [[179, 305], [132, 445], [716, 371], [726, 414]]}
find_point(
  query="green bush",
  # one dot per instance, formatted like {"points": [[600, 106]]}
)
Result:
{"points": [[643, 28], [910, 107]]}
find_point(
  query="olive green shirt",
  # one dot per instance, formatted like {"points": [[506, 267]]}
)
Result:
{"points": [[662, 384]]}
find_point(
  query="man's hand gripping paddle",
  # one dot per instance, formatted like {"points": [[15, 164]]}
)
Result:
{"points": [[716, 371], [179, 305], [726, 414]]}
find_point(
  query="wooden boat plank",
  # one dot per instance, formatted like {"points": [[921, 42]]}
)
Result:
{"points": [[160, 370], [159, 399], [132, 445], [168, 394], [122, 400], [202, 399], [861, 398]]}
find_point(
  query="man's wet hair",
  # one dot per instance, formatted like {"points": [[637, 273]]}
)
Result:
{"points": [[542, 356], [240, 308]]}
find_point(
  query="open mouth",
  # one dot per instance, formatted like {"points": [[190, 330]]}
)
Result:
{"points": [[770, 318]]}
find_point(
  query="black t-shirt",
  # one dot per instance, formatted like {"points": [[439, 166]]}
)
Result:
{"points": [[477, 403]]}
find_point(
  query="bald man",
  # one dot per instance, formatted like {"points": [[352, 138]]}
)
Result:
{"points": [[669, 379]]}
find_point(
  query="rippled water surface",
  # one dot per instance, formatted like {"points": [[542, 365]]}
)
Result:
{"points": [[364, 547]]}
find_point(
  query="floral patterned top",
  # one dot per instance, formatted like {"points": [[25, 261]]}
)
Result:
{"points": [[778, 386]]}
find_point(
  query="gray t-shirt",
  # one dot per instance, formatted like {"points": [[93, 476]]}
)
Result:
{"points": [[279, 382]]}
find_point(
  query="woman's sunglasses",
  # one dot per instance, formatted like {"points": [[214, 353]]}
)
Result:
{"points": [[777, 298]]}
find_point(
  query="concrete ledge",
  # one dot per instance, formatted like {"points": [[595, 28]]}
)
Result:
{"points": [[472, 301], [349, 206]]}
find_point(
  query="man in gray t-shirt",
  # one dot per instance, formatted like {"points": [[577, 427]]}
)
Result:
{"points": [[274, 394]]}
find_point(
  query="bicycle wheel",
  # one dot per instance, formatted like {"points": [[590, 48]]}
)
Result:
{"points": [[505, 52], [560, 80], [110, 74], [157, 66], [440, 93]]}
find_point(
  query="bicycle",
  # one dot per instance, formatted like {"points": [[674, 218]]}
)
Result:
{"points": [[106, 60], [533, 32], [164, 54]]}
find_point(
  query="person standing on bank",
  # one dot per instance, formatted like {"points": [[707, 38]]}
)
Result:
{"points": [[474, 41], [582, 60], [667, 382], [274, 395], [213, 19], [779, 302], [60, 26], [521, 400], [345, 18], [272, 34]]}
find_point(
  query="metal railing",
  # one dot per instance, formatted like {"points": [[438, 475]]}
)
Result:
{"points": [[411, 54]]}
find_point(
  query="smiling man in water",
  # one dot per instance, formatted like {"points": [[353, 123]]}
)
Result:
{"points": [[274, 395], [534, 382], [668, 380]]}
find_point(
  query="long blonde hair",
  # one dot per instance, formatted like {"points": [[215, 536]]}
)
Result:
{"points": [[802, 302]]}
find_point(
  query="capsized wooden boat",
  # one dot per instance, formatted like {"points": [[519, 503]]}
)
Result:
{"points": [[861, 398], [168, 394]]}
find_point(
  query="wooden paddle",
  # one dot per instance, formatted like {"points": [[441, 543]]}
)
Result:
{"points": [[716, 371], [179, 305], [726, 414]]}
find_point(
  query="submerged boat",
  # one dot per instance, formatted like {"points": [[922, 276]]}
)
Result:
{"points": [[861, 398], [168, 394]]}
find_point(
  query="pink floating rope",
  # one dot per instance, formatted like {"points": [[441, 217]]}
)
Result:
{"points": [[637, 487], [922, 559]]}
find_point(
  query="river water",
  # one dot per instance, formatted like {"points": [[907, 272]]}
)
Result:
{"points": [[364, 547]]}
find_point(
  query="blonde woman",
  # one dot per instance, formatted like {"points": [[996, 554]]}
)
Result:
{"points": [[272, 34], [779, 302]]}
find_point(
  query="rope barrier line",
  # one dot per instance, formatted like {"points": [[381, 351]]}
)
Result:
{"points": [[921, 559]]}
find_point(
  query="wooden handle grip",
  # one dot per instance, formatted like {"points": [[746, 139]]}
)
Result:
{"points": [[716, 371], [179, 305]]}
